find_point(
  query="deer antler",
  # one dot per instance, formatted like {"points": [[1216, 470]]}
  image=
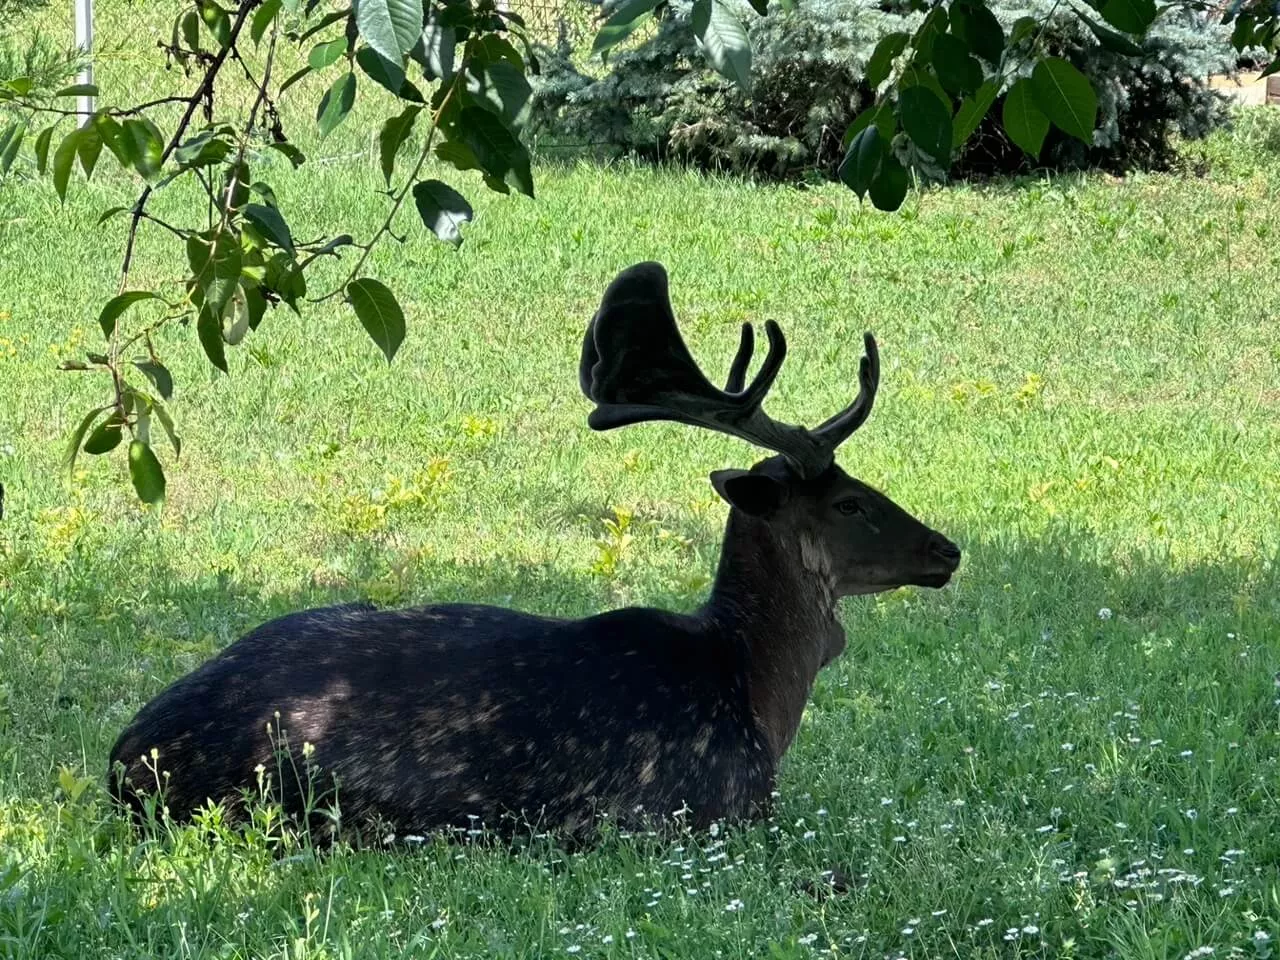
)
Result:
{"points": [[635, 367]]}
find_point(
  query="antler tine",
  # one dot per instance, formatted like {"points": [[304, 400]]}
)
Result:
{"points": [[738, 371], [635, 367], [768, 372], [839, 428]]}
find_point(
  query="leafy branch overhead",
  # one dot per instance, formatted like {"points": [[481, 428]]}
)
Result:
{"points": [[458, 70], [933, 87]]}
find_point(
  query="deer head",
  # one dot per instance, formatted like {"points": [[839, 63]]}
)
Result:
{"points": [[636, 367]]}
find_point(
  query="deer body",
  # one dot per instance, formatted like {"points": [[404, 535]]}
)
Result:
{"points": [[454, 714], [429, 717]]}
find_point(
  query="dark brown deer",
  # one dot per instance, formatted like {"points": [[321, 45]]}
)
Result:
{"points": [[443, 715]]}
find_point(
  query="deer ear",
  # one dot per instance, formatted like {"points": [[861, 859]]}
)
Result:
{"points": [[753, 493]]}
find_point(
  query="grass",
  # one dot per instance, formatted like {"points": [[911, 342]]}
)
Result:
{"points": [[1069, 752]]}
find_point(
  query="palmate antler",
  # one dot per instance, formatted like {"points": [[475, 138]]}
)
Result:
{"points": [[635, 367]]}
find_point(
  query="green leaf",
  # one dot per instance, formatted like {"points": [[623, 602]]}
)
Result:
{"points": [[934, 24], [144, 145], [295, 156], [216, 19], [326, 54], [327, 20], [1024, 121], [158, 374], [972, 111], [491, 48], [88, 149], [394, 133], [285, 277], [978, 27], [459, 154], [78, 90], [724, 40], [391, 27], [442, 209], [621, 23], [235, 318], [109, 213], [1110, 40], [1022, 28], [116, 307], [1065, 96], [336, 103], [862, 160], [42, 149], [889, 185], [215, 263], [113, 137], [914, 76], [10, 141], [205, 148], [190, 24], [389, 76], [379, 314], [434, 49], [881, 63], [167, 422], [958, 72], [341, 240], [1131, 16], [145, 472], [20, 86], [263, 19], [63, 158], [881, 114], [502, 89], [497, 151], [265, 192], [235, 184], [927, 122], [256, 305], [270, 224], [105, 437], [295, 77], [77, 437], [209, 330]]}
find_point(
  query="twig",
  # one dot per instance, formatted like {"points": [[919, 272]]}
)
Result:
{"points": [[176, 231], [110, 111]]}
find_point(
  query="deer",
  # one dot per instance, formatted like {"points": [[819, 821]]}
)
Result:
{"points": [[439, 717]]}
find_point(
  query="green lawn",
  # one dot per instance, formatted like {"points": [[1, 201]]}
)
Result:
{"points": [[1070, 751]]}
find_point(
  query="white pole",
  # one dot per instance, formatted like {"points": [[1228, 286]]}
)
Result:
{"points": [[84, 40]]}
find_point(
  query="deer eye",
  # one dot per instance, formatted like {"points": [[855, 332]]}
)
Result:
{"points": [[849, 507]]}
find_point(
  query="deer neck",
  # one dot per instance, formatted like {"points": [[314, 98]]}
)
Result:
{"points": [[775, 590]]}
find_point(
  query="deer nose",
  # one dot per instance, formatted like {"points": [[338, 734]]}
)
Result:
{"points": [[944, 549]]}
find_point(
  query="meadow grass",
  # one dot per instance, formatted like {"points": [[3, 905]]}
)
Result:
{"points": [[1070, 751]]}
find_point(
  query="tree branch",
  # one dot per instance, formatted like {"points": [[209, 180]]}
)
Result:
{"points": [[193, 102]]}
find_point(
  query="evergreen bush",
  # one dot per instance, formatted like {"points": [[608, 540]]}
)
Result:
{"points": [[659, 100]]}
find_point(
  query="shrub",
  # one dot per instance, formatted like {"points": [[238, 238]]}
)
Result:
{"points": [[658, 100]]}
